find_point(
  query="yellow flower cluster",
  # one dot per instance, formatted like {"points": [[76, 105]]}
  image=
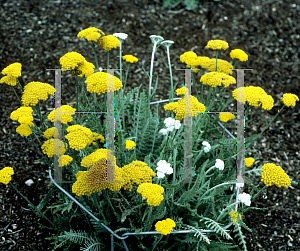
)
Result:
{"points": [[254, 95], [90, 34], [13, 71], [95, 156], [182, 91], [225, 116], [165, 226], [64, 160], [151, 192], [81, 187], [99, 173], [66, 114], [192, 61], [289, 99], [77, 63], [179, 107], [49, 133], [79, 137], [137, 172], [25, 118], [98, 83], [97, 136], [108, 42], [239, 54], [53, 146], [5, 175], [217, 45], [23, 115], [223, 66], [130, 144], [130, 58], [272, 174], [234, 214], [217, 79], [35, 91], [249, 162]]}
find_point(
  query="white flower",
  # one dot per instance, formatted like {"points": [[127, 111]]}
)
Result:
{"points": [[207, 146], [163, 168], [219, 164], [156, 39], [177, 124], [167, 43], [160, 175], [245, 198], [169, 122], [120, 36], [164, 131]]}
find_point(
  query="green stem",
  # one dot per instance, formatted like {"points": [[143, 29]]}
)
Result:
{"points": [[40, 116], [32, 206], [272, 120], [253, 197], [151, 73], [108, 60], [17, 95], [171, 76], [121, 62], [20, 86], [217, 52], [96, 60], [193, 79], [128, 67], [235, 63]]}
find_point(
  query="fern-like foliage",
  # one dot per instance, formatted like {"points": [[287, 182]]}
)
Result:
{"points": [[198, 233], [211, 224], [240, 236], [80, 238]]}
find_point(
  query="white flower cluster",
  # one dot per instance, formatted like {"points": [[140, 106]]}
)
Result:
{"points": [[170, 124], [245, 198], [219, 164], [120, 36], [207, 146], [163, 168]]}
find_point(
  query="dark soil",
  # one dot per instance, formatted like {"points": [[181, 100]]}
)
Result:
{"points": [[37, 33]]}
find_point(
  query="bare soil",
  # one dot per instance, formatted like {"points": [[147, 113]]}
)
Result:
{"points": [[37, 33]]}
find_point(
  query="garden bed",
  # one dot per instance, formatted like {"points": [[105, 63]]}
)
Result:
{"points": [[36, 34]]}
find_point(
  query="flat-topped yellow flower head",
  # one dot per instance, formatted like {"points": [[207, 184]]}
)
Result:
{"points": [[217, 45]]}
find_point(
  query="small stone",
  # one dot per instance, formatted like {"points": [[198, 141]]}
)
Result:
{"points": [[29, 182]]}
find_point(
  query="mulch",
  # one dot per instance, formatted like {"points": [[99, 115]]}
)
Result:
{"points": [[37, 33]]}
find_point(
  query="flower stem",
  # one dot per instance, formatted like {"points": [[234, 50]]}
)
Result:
{"points": [[108, 60], [40, 116], [96, 60], [121, 63], [128, 67], [32, 206], [217, 52], [235, 63], [151, 72], [20, 86], [170, 70], [17, 95]]}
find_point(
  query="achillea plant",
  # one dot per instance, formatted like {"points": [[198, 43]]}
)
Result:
{"points": [[154, 188]]}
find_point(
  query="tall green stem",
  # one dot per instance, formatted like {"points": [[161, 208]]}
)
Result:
{"points": [[17, 95], [108, 60], [40, 116], [170, 70], [217, 52], [96, 60], [121, 62]]}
